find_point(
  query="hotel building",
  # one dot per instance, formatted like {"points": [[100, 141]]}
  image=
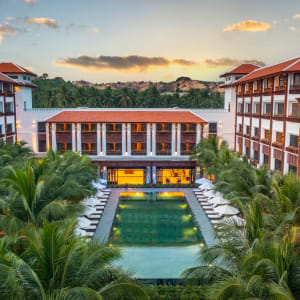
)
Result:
{"points": [[267, 115]]}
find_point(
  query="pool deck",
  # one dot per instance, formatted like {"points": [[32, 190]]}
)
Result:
{"points": [[102, 233]]}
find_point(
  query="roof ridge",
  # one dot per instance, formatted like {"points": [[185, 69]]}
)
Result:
{"points": [[11, 79], [291, 65]]}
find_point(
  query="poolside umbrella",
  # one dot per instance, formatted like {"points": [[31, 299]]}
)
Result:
{"points": [[202, 181], [206, 186], [233, 220], [226, 210], [218, 201]]}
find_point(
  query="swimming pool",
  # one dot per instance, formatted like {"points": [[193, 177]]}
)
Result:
{"points": [[157, 234]]}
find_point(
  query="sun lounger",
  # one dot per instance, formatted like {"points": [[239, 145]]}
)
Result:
{"points": [[196, 190], [215, 217], [94, 217], [215, 222]]}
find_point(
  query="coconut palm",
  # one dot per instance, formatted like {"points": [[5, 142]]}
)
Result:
{"points": [[25, 204], [55, 264]]}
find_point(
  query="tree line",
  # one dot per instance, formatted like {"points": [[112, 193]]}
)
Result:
{"points": [[59, 93]]}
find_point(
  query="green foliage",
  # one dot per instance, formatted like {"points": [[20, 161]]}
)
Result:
{"points": [[55, 264], [58, 93], [260, 260]]}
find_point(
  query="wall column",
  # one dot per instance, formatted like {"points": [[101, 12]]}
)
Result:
{"points": [[148, 139], [178, 139], [73, 138], [98, 139], [198, 133], [154, 139], [128, 139], [47, 136], [173, 146], [79, 138], [154, 174], [54, 146], [148, 175], [123, 139], [104, 139]]}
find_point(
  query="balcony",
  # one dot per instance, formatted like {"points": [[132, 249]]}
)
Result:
{"points": [[277, 144], [138, 152], [186, 152], [114, 152], [295, 89], [248, 93], [267, 91], [89, 152], [256, 93], [292, 149], [279, 90], [265, 141], [163, 152]]}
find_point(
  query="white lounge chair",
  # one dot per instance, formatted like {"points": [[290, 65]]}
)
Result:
{"points": [[214, 216]]}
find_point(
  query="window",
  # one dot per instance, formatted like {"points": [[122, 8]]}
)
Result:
{"points": [[277, 164], [89, 148], [267, 134], [63, 127], [188, 127], [247, 108], [247, 151], [248, 129], [266, 159], [278, 137], [240, 107], [62, 147], [113, 127], [114, 148], [9, 108], [138, 147], [292, 169], [163, 148], [25, 105], [281, 81], [187, 148], [279, 109], [88, 127], [138, 127], [256, 132], [1, 107], [256, 155], [267, 83], [1, 129], [41, 127], [212, 128], [164, 127], [297, 79], [257, 108], [9, 128], [293, 141], [13, 76], [267, 108], [295, 110], [42, 146], [240, 128]]}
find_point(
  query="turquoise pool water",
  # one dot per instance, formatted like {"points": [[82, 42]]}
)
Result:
{"points": [[157, 235]]}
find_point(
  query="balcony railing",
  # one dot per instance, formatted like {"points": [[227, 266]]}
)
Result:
{"points": [[186, 152], [89, 152], [138, 152], [114, 152], [279, 89], [295, 89], [292, 149], [163, 152]]}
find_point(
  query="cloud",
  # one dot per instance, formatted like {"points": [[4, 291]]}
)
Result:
{"points": [[7, 30], [43, 21], [76, 27], [292, 28], [248, 25], [297, 16], [121, 63], [230, 62]]}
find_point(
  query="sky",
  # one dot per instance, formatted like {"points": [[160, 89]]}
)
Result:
{"points": [[135, 40]]}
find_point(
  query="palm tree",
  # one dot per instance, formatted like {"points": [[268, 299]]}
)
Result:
{"points": [[55, 264], [25, 204], [47, 190]]}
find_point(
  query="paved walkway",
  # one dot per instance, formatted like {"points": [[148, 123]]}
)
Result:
{"points": [[103, 230]]}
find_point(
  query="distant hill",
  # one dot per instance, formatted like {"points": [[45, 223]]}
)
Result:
{"points": [[183, 93], [181, 84]]}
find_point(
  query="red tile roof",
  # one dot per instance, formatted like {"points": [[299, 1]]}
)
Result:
{"points": [[11, 68], [126, 116], [5, 78], [28, 84], [241, 70], [286, 66]]}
